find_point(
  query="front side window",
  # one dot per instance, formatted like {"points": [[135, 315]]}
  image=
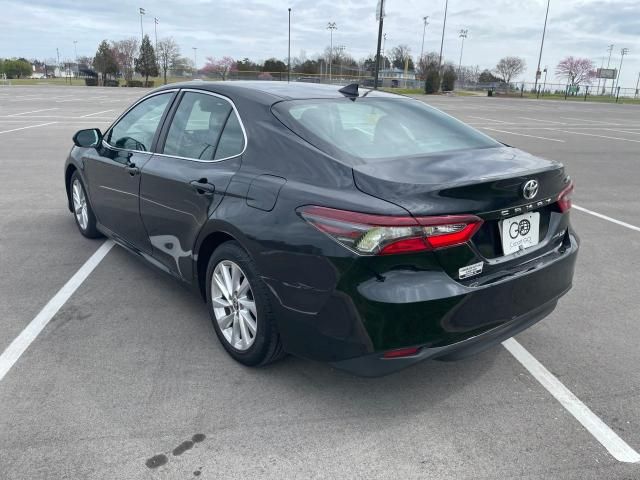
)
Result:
{"points": [[135, 131], [204, 127]]}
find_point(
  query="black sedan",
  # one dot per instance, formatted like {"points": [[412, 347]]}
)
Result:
{"points": [[344, 225]]}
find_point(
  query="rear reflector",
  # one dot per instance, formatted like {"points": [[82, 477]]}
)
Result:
{"points": [[401, 352], [368, 234], [564, 199]]}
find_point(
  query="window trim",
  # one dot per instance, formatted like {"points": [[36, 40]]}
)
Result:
{"points": [[158, 128], [214, 94]]}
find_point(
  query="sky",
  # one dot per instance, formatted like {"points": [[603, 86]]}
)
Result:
{"points": [[258, 28]]}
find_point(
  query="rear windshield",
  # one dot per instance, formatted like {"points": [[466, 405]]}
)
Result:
{"points": [[370, 129]]}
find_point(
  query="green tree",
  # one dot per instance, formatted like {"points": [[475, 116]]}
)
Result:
{"points": [[308, 66], [246, 65], [273, 65], [105, 62], [487, 77], [432, 81], [17, 68], [448, 78], [146, 64]]}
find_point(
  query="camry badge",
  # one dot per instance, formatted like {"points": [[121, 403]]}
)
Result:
{"points": [[530, 189]]}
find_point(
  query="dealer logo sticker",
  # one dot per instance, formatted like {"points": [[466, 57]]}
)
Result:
{"points": [[470, 270]]}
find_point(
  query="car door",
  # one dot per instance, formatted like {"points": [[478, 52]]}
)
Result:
{"points": [[199, 151], [113, 169]]}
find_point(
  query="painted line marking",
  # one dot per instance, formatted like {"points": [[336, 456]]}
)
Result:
{"points": [[30, 126], [583, 120], [604, 217], [594, 135], [20, 344], [621, 131], [33, 111], [617, 447], [523, 134], [96, 113], [487, 119], [545, 121]]}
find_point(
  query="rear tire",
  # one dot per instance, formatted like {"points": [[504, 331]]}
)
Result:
{"points": [[82, 211], [240, 307]]}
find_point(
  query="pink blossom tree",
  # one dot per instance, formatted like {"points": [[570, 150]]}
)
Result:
{"points": [[576, 70], [220, 67]]}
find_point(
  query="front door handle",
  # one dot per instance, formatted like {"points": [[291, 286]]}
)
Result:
{"points": [[132, 169], [202, 187]]}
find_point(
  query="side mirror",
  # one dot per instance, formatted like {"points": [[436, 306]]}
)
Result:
{"points": [[87, 138]]}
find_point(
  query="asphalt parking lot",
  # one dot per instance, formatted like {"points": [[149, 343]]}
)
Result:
{"points": [[128, 379]]}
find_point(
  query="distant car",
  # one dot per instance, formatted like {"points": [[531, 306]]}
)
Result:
{"points": [[350, 226]]}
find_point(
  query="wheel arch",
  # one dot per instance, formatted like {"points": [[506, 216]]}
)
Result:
{"points": [[68, 173]]}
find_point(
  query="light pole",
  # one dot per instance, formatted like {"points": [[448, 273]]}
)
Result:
{"points": [[424, 30], [544, 30], [637, 83], [195, 61], [384, 57], [155, 31], [444, 25], [545, 79], [623, 52], [462, 34], [604, 83], [289, 51], [142, 12], [331, 26], [380, 18], [75, 51]]}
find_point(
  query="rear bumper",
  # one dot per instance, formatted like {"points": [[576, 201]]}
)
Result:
{"points": [[383, 306]]}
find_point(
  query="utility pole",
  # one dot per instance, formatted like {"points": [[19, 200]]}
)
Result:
{"points": [[331, 26], [195, 61], [623, 52], [462, 35], [424, 30], [599, 78], [289, 50], [637, 83], [444, 24], [604, 83], [544, 31], [380, 18], [142, 12], [57, 64]]}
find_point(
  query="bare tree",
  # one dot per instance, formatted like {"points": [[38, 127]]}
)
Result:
{"points": [[429, 61], [221, 67], [124, 52], [576, 70], [399, 55], [168, 53], [510, 67]]}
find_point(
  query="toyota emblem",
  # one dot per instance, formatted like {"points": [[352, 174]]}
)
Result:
{"points": [[530, 189]]}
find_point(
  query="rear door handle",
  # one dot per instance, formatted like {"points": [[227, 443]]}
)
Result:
{"points": [[132, 169], [202, 187]]}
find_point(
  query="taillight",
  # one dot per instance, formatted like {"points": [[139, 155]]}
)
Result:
{"points": [[386, 235], [564, 199], [401, 352]]}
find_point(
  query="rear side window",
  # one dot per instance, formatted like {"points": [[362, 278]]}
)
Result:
{"points": [[204, 127], [370, 129], [135, 131]]}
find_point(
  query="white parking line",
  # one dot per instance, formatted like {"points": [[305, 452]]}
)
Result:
{"points": [[604, 217], [487, 119], [594, 135], [544, 121], [523, 134], [617, 447], [96, 113], [32, 111], [20, 344], [30, 126]]}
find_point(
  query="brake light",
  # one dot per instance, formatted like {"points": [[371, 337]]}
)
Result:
{"points": [[368, 234], [401, 352], [564, 199]]}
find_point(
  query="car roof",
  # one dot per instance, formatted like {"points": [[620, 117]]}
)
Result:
{"points": [[277, 90]]}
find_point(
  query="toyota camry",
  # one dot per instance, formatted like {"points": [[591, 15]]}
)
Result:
{"points": [[339, 224]]}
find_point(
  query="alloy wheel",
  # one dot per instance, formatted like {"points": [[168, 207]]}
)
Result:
{"points": [[80, 204], [234, 305]]}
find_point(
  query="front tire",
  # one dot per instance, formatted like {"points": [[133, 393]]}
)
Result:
{"points": [[82, 212], [240, 307]]}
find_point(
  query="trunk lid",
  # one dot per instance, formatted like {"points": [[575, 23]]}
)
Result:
{"points": [[472, 181]]}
